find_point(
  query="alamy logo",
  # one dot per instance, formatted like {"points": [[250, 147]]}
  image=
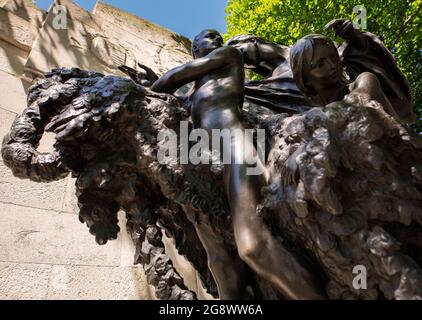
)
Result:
{"points": [[60, 278], [360, 21], [360, 281], [226, 146], [60, 17]]}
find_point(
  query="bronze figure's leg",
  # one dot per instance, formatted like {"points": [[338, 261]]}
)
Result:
{"points": [[228, 270], [256, 245]]}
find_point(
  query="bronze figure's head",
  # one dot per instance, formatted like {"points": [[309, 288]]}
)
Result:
{"points": [[315, 64], [205, 42]]}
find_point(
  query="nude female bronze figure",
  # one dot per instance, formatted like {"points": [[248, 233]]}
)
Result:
{"points": [[365, 52], [318, 73]]}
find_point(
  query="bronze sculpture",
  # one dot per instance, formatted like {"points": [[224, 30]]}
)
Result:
{"points": [[355, 199], [318, 72], [365, 52], [145, 77], [361, 52], [217, 99], [277, 91]]}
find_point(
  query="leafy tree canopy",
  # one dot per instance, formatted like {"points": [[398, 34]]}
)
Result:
{"points": [[397, 23]]}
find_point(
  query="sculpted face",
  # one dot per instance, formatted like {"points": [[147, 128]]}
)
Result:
{"points": [[324, 70], [205, 42]]}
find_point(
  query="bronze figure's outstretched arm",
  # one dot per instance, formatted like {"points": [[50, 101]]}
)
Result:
{"points": [[192, 71], [365, 52]]}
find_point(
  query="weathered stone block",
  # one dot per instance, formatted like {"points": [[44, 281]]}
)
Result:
{"points": [[75, 12], [27, 10], [30, 194], [103, 283], [13, 96], [16, 30], [23, 281], [72, 48], [12, 59], [147, 42], [72, 44], [41, 236]]}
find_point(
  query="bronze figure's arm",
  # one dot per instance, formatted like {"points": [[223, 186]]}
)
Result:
{"points": [[344, 29], [365, 52], [192, 71]]}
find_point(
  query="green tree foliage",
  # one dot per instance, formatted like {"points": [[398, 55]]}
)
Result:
{"points": [[396, 22]]}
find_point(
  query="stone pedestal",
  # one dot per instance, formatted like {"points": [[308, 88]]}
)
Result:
{"points": [[45, 252]]}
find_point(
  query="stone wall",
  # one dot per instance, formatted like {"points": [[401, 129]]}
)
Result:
{"points": [[45, 252]]}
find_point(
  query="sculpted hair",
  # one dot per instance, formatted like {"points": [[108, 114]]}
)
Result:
{"points": [[301, 56]]}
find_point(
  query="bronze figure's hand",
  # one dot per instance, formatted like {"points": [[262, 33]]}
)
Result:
{"points": [[144, 77], [343, 28]]}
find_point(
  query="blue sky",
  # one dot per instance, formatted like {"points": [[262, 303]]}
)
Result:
{"points": [[187, 17]]}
